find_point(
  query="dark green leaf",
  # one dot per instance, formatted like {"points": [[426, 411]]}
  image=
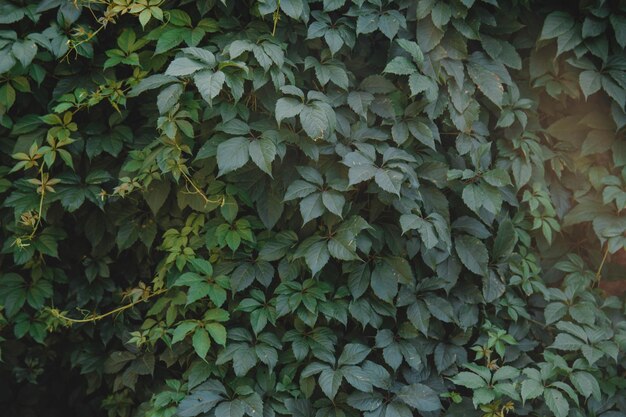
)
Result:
{"points": [[472, 253]]}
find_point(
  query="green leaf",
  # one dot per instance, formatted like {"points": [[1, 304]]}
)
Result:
{"points": [[333, 201], [361, 168], [287, 107], [619, 26], [493, 287], [202, 55], [384, 282], [7, 95], [483, 396], [504, 373], [24, 52], [564, 341], [388, 180], [182, 330], [242, 277], [592, 27], [270, 208], [556, 24], [586, 384], [410, 222], [440, 308], [329, 381], [469, 380], [262, 153], [554, 312], [531, 389], [422, 133], [233, 239], [217, 332], [13, 291], [317, 256], [198, 402], [420, 397], [597, 141], [359, 102], [428, 35], [377, 84], [400, 66], [235, 408], [497, 177], [472, 253], [590, 82], [486, 76], [425, 229], [292, 8], [412, 48], [556, 402], [144, 17], [353, 354], [254, 404], [150, 83], [419, 83], [334, 40], [244, 359], [343, 246], [209, 84], [398, 409], [419, 315], [315, 122], [38, 292], [7, 61], [169, 97], [389, 24], [201, 342], [156, 194], [365, 401], [232, 154], [367, 23], [11, 13], [583, 312], [169, 39], [183, 66], [474, 196], [331, 5], [311, 207], [299, 189], [506, 238], [314, 368], [441, 14], [400, 268]]}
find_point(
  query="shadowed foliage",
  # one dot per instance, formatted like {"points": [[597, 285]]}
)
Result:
{"points": [[311, 208]]}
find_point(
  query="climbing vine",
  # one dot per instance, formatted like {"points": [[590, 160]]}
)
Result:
{"points": [[312, 208]]}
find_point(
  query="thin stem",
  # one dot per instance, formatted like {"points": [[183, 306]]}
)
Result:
{"points": [[599, 271], [199, 191], [91, 319], [276, 17], [43, 193]]}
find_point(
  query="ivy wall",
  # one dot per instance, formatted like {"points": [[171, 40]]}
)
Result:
{"points": [[309, 208]]}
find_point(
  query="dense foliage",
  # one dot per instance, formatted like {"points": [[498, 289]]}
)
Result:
{"points": [[312, 208]]}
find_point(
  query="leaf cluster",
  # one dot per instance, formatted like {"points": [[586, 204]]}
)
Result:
{"points": [[312, 208]]}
